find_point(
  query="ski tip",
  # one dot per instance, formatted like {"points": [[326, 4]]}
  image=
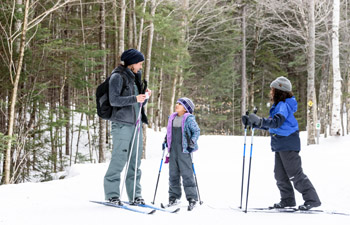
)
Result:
{"points": [[161, 205], [152, 212], [176, 210]]}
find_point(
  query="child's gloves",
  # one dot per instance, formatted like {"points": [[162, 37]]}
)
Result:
{"points": [[255, 120], [166, 159], [190, 145], [164, 145]]}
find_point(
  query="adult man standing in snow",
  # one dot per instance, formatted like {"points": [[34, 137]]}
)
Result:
{"points": [[126, 93]]}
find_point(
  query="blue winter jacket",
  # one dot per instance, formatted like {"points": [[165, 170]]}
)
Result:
{"points": [[283, 126], [190, 132]]}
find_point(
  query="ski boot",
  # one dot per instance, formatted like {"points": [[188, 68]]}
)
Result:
{"points": [[308, 206], [139, 201], [115, 200], [284, 203], [192, 204]]}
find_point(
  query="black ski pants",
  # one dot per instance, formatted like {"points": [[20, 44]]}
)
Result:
{"points": [[287, 170]]}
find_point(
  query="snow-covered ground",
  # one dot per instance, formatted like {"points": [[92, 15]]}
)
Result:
{"points": [[218, 164]]}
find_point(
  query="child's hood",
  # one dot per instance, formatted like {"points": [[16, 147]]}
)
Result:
{"points": [[292, 103]]}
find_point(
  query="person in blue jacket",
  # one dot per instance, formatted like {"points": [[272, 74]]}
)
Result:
{"points": [[181, 139], [285, 142]]}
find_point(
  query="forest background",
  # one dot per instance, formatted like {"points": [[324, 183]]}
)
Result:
{"points": [[223, 54]]}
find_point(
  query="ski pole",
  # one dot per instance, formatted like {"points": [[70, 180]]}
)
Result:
{"points": [[131, 150], [137, 155], [243, 165], [250, 163], [195, 178], [160, 170]]}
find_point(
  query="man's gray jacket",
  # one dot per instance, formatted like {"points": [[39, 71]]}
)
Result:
{"points": [[122, 97]]}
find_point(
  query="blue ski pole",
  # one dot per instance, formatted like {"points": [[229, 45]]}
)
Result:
{"points": [[245, 141], [195, 178], [250, 163]]}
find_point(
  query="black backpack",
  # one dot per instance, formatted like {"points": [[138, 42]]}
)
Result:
{"points": [[104, 108]]}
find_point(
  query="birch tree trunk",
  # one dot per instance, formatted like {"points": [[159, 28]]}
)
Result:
{"points": [[150, 41], [348, 104], [173, 91], [148, 69], [14, 94], [184, 27], [133, 3], [160, 93], [323, 95], [115, 29], [311, 95], [102, 130], [121, 29], [336, 107], [347, 92], [141, 25], [130, 26]]}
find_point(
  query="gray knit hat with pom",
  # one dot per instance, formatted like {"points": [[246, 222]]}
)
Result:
{"points": [[282, 83]]}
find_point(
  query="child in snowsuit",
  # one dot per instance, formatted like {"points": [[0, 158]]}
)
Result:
{"points": [[285, 142], [182, 135]]}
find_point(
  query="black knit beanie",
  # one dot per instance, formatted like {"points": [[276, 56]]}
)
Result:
{"points": [[132, 56]]}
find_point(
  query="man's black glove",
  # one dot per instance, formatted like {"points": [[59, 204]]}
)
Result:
{"points": [[245, 120], [255, 120]]}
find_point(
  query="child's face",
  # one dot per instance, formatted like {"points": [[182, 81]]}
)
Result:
{"points": [[180, 109], [272, 92]]}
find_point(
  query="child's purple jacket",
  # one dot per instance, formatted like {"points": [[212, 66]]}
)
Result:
{"points": [[189, 127]]}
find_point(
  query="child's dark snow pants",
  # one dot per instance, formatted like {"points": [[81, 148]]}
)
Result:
{"points": [[288, 169], [180, 164]]}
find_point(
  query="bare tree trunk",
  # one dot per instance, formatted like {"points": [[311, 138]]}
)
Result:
{"points": [[115, 29], [323, 95], [336, 108], [133, 3], [150, 41], [130, 26], [173, 92], [184, 28], [148, 68], [102, 130], [14, 94], [244, 70], [141, 25], [160, 93], [311, 95], [348, 104], [121, 28], [347, 92], [252, 77], [233, 103]]}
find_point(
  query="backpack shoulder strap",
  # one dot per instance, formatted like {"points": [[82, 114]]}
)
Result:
{"points": [[125, 82]]}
